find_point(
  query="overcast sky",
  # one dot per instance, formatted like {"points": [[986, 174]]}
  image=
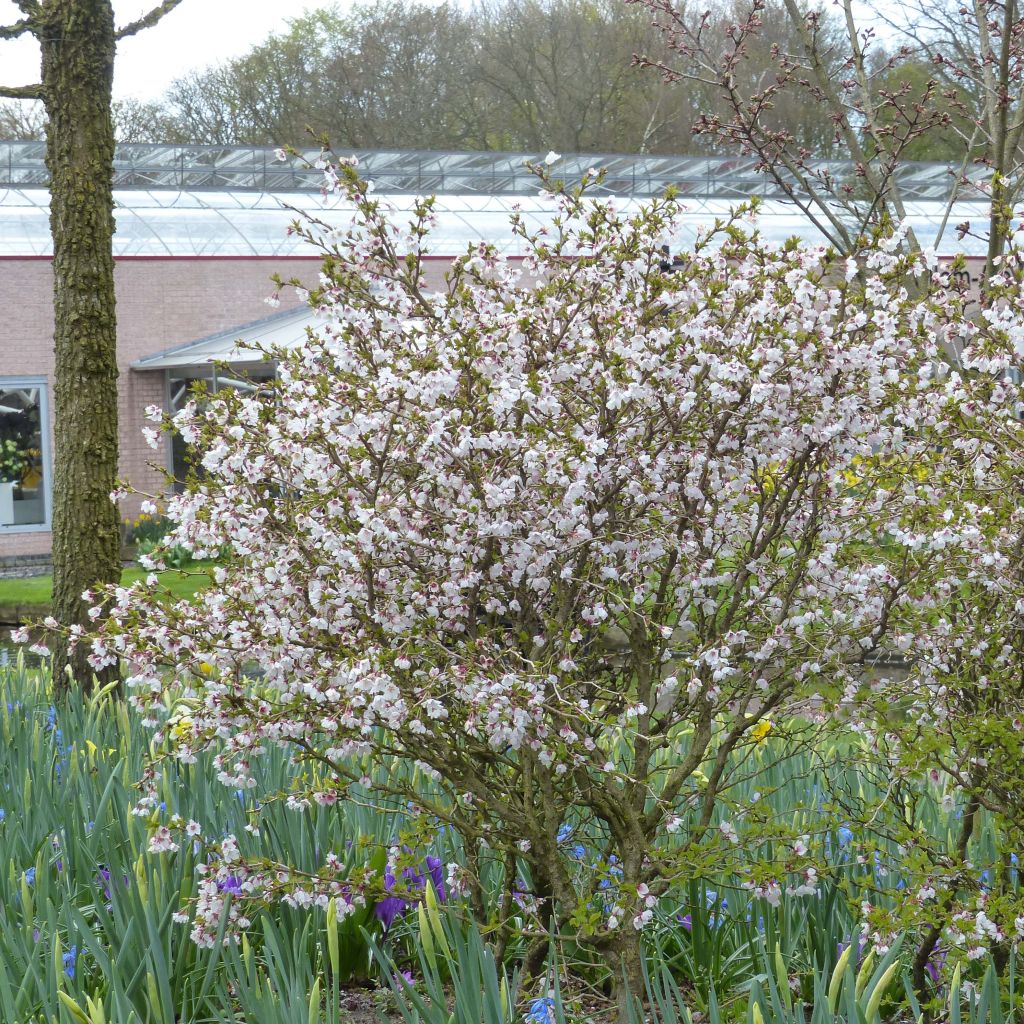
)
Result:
{"points": [[196, 34]]}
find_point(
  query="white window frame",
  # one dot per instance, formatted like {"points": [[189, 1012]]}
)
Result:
{"points": [[43, 384]]}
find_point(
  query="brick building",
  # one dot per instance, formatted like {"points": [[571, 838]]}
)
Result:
{"points": [[201, 230]]}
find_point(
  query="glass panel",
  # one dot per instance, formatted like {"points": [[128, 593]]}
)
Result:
{"points": [[22, 479], [193, 382], [257, 169], [185, 384]]}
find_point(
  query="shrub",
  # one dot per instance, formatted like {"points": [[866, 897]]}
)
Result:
{"points": [[566, 535]]}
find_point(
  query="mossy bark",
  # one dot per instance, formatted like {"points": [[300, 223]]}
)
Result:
{"points": [[78, 47], [625, 960]]}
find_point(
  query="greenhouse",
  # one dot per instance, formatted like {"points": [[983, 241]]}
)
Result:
{"points": [[204, 202], [201, 230]]}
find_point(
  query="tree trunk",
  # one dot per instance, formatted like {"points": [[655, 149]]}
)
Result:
{"points": [[625, 959], [1000, 225], [919, 967], [77, 76]]}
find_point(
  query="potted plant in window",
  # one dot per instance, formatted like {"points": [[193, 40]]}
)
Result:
{"points": [[12, 468]]}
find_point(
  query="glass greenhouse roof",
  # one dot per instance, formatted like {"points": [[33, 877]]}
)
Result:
{"points": [[424, 172], [207, 201]]}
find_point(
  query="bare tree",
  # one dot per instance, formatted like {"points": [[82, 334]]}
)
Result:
{"points": [[976, 51], [508, 74], [816, 63], [559, 70], [22, 120], [134, 121], [390, 75], [78, 40], [398, 75]]}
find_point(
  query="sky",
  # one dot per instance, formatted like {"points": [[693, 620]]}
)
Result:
{"points": [[194, 35]]}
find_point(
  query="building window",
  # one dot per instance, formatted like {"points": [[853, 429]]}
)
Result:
{"points": [[24, 455], [191, 382]]}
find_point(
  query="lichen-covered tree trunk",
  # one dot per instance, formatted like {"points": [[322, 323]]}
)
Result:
{"points": [[77, 77]]}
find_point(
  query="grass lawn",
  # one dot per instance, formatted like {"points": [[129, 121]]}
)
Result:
{"points": [[36, 591]]}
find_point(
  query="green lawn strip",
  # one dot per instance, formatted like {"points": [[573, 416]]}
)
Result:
{"points": [[33, 593]]}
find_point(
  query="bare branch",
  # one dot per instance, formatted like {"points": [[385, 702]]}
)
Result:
{"points": [[147, 20], [958, 181], [21, 92], [19, 28]]}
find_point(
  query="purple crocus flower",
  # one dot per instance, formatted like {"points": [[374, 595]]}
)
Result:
{"points": [[436, 872], [935, 964], [858, 953], [388, 909], [391, 906], [231, 884], [104, 877]]}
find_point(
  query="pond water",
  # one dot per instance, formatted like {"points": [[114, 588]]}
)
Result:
{"points": [[9, 650]]}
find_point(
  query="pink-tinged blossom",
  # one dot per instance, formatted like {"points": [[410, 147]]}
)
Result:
{"points": [[162, 841], [565, 533]]}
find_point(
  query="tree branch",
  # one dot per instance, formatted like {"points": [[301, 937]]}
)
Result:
{"points": [[21, 92], [147, 20], [19, 28]]}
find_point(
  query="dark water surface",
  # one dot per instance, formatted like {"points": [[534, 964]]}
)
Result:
{"points": [[9, 650]]}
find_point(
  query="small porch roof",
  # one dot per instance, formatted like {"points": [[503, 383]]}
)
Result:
{"points": [[287, 329]]}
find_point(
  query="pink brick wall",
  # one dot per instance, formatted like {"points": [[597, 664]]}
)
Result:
{"points": [[161, 303]]}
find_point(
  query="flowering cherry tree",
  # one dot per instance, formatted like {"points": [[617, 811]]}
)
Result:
{"points": [[564, 535], [959, 623]]}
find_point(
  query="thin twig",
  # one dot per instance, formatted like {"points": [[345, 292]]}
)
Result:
{"points": [[147, 20]]}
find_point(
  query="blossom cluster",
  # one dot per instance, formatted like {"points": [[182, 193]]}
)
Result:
{"points": [[565, 531]]}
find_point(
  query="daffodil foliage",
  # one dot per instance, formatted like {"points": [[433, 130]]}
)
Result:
{"points": [[568, 536]]}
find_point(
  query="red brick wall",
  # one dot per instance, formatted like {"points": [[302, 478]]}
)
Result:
{"points": [[161, 303]]}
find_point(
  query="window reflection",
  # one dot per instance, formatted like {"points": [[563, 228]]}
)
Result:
{"points": [[200, 382], [22, 477]]}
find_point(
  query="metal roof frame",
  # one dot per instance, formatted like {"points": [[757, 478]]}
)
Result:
{"points": [[426, 172], [237, 345]]}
